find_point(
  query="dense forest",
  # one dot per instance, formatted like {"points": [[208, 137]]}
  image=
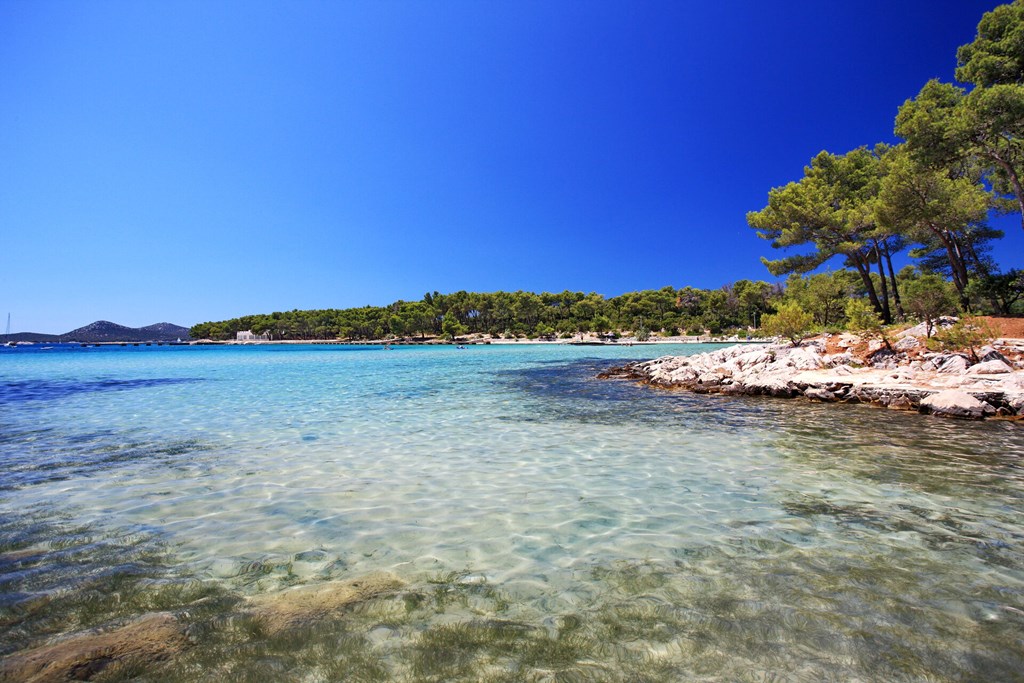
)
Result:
{"points": [[927, 198], [519, 314]]}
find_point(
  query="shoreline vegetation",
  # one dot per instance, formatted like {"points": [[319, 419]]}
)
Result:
{"points": [[477, 340]]}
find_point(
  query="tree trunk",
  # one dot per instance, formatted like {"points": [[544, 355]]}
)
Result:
{"points": [[886, 311], [895, 287], [960, 264], [956, 264], [982, 269], [865, 275]]}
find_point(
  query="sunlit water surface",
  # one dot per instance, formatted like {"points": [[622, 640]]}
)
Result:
{"points": [[549, 526]]}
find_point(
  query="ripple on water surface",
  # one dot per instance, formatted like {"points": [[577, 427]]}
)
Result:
{"points": [[543, 521]]}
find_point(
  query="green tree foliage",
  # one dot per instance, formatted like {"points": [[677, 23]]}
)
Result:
{"points": [[750, 300], [946, 125], [789, 321], [831, 210], [933, 209], [974, 244], [452, 327], [518, 313], [1000, 290], [928, 297], [996, 56], [963, 157], [823, 295], [601, 324], [416, 317], [861, 319]]}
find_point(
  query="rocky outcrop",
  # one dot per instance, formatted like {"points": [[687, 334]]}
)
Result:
{"points": [[900, 378]]}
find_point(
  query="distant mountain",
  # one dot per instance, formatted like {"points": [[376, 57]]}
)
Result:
{"points": [[106, 331]]}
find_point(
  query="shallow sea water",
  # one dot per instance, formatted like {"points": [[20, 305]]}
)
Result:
{"points": [[547, 525]]}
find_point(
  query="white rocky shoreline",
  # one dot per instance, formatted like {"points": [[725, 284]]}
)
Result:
{"points": [[829, 368]]}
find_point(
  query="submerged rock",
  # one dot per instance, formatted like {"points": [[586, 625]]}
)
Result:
{"points": [[303, 605], [148, 640], [900, 403], [154, 639]]}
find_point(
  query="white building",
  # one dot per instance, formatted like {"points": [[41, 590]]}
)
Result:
{"points": [[247, 335]]}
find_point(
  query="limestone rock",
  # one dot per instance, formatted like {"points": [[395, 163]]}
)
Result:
{"points": [[711, 378], [754, 360], [956, 403], [907, 343], [900, 403], [884, 358], [952, 364], [987, 353], [684, 374], [892, 380], [990, 367], [152, 638], [819, 394], [838, 359], [776, 386], [1014, 382], [806, 358]]}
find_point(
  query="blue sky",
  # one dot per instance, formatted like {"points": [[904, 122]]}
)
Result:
{"points": [[191, 161]]}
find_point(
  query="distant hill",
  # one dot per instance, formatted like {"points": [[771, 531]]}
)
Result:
{"points": [[166, 331], [29, 337], [106, 331]]}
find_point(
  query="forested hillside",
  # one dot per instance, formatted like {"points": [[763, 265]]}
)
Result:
{"points": [[686, 310]]}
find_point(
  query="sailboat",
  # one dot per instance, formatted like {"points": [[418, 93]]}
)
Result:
{"points": [[7, 332]]}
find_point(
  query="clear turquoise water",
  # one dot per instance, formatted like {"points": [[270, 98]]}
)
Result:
{"points": [[681, 537]]}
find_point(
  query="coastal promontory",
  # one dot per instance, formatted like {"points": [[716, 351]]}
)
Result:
{"points": [[904, 375]]}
